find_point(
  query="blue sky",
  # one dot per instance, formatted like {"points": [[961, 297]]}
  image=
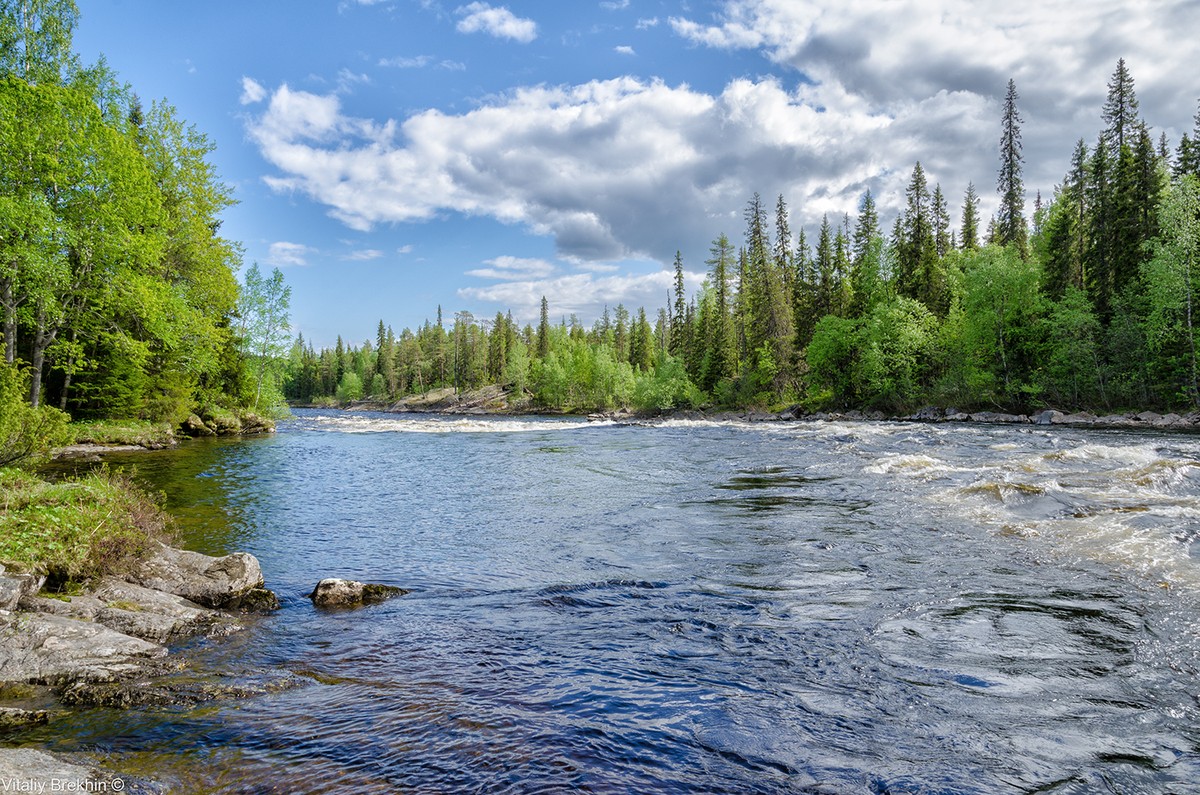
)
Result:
{"points": [[393, 155]]}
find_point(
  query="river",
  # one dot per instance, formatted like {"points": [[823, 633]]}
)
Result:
{"points": [[691, 607]]}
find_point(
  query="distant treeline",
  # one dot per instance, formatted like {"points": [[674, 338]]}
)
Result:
{"points": [[1088, 303]]}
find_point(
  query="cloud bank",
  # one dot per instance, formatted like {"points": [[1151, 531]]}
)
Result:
{"points": [[635, 168]]}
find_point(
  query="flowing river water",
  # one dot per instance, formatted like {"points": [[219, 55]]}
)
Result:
{"points": [[691, 607]]}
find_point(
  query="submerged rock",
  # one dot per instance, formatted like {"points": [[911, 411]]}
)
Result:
{"points": [[205, 580], [20, 718], [334, 592]]}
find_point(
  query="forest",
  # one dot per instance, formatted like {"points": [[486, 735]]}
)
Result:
{"points": [[1083, 302], [118, 294]]}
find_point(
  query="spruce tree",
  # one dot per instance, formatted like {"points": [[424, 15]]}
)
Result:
{"points": [[941, 223], [1120, 113], [968, 239], [867, 252], [543, 330], [720, 360], [1010, 224], [783, 244], [1101, 229], [678, 320], [916, 248]]}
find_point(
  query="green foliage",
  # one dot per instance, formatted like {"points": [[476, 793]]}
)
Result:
{"points": [[351, 387], [895, 350], [1072, 375], [1001, 304], [77, 529], [1173, 278], [146, 433], [667, 387], [26, 434], [115, 289], [265, 331], [830, 359]]}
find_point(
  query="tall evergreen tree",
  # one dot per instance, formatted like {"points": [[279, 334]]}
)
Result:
{"points": [[543, 332], [1120, 112], [968, 239], [1010, 223], [721, 353], [783, 252], [867, 252], [941, 222], [918, 274], [1099, 264], [678, 337]]}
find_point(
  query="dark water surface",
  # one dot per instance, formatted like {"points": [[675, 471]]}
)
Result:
{"points": [[693, 607]]}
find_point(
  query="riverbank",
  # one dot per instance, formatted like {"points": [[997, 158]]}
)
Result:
{"points": [[107, 645], [495, 401], [94, 439]]}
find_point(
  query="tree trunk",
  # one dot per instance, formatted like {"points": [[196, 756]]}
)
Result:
{"points": [[42, 340], [1192, 335], [10, 321]]}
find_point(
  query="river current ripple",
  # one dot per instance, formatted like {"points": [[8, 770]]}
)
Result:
{"points": [[692, 607]]}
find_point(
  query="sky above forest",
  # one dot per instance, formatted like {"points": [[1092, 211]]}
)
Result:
{"points": [[391, 156]]}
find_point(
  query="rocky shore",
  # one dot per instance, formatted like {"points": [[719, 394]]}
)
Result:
{"points": [[1144, 420], [107, 647], [195, 426], [493, 400]]}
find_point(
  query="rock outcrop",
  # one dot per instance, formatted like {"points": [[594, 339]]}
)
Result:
{"points": [[114, 634], [205, 580], [46, 649], [334, 592], [15, 587]]}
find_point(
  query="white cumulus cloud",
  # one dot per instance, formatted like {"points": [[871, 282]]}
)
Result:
{"points": [[513, 268], [495, 21]]}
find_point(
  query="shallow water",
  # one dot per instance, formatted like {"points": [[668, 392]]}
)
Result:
{"points": [[692, 607]]}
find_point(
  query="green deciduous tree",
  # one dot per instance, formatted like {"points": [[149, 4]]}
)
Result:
{"points": [[1173, 277], [265, 330]]}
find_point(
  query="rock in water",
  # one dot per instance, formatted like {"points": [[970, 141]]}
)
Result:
{"points": [[334, 592], [205, 580]]}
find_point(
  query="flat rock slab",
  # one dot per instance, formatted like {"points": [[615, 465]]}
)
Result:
{"points": [[136, 610], [203, 579], [49, 649]]}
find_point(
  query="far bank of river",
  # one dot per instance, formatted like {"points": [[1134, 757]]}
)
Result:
{"points": [[494, 401]]}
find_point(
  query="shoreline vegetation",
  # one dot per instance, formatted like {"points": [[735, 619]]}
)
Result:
{"points": [[1085, 304], [119, 298]]}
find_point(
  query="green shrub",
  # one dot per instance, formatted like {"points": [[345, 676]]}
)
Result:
{"points": [[26, 434]]}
